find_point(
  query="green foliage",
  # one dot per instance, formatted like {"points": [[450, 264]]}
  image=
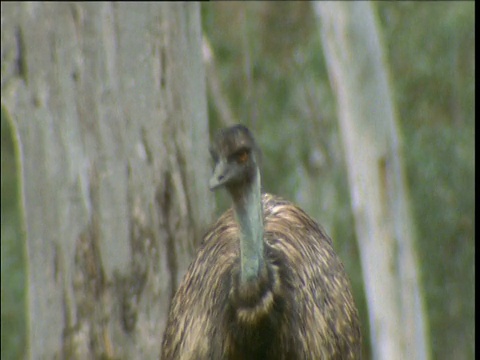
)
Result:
{"points": [[441, 169], [431, 51], [12, 255]]}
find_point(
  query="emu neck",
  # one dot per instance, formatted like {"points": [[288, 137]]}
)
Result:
{"points": [[247, 204]]}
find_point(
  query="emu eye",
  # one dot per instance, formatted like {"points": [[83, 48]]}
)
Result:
{"points": [[242, 157]]}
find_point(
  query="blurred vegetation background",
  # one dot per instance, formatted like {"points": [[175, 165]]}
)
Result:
{"points": [[268, 66]]}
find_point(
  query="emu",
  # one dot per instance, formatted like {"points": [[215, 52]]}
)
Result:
{"points": [[266, 282]]}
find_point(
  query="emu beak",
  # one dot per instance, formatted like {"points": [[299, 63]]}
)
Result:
{"points": [[220, 175]]}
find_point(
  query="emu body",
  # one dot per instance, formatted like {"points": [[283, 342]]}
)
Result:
{"points": [[265, 283]]}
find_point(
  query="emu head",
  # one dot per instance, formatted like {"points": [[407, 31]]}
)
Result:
{"points": [[236, 156]]}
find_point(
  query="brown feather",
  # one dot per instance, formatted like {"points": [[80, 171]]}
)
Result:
{"points": [[301, 307]]}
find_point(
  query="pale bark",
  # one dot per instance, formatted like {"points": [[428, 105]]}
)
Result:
{"points": [[376, 178], [217, 93], [109, 110]]}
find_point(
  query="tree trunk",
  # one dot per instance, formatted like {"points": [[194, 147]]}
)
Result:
{"points": [[109, 109], [376, 177]]}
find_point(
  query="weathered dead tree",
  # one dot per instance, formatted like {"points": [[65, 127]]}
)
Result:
{"points": [[377, 183], [108, 105]]}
